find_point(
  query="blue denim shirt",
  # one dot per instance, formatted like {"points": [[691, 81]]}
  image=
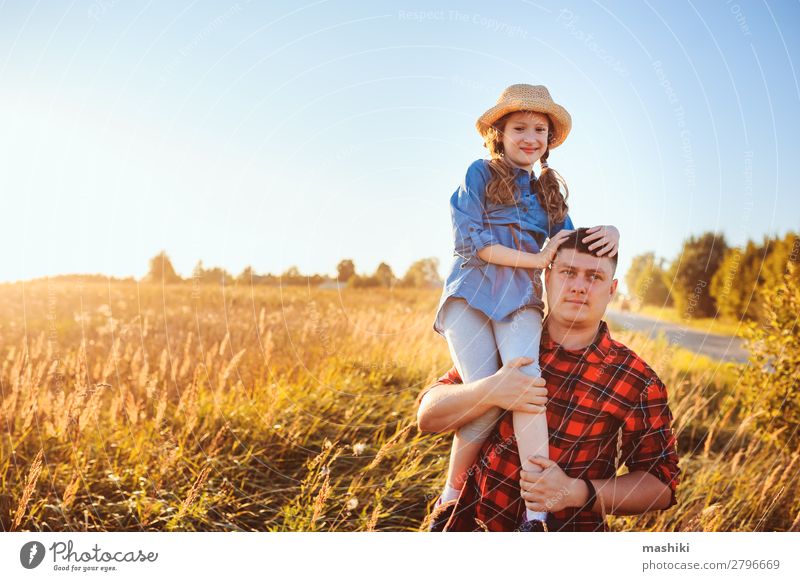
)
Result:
{"points": [[497, 291]]}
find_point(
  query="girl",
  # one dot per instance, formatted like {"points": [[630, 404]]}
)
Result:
{"points": [[491, 307]]}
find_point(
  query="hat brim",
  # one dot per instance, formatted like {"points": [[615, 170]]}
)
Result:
{"points": [[559, 116]]}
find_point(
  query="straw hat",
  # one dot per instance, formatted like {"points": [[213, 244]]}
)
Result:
{"points": [[529, 98]]}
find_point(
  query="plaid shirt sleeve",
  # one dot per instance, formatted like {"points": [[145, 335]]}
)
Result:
{"points": [[648, 440], [450, 378]]}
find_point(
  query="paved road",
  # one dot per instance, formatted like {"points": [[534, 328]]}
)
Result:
{"points": [[715, 346]]}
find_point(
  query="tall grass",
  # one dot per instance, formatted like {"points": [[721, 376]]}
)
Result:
{"points": [[136, 407]]}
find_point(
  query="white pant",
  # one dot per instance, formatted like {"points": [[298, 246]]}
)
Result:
{"points": [[479, 346]]}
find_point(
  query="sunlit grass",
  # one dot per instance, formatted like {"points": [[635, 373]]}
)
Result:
{"points": [[128, 407]]}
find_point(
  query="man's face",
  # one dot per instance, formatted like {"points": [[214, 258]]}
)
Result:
{"points": [[579, 287]]}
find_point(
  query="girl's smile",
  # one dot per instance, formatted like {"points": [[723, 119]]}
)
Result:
{"points": [[525, 138]]}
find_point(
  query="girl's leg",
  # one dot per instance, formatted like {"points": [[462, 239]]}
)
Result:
{"points": [[520, 338], [472, 346]]}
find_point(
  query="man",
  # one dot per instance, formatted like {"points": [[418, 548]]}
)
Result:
{"points": [[604, 406]]}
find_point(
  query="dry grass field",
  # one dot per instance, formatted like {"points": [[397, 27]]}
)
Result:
{"points": [[127, 407]]}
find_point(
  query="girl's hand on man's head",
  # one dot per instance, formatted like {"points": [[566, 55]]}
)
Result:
{"points": [[603, 238], [550, 249]]}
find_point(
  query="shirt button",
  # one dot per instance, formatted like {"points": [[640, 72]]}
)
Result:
{"points": [[524, 208], [471, 228]]}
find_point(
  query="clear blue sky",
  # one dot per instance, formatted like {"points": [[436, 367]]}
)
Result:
{"points": [[294, 133]]}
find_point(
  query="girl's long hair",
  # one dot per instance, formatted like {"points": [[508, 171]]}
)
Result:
{"points": [[502, 188]]}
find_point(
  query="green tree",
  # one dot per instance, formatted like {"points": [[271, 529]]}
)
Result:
{"points": [[780, 252], [215, 275], [246, 276], [691, 272], [161, 270], [423, 273], [735, 286], [645, 280], [770, 386], [345, 270], [735, 283], [384, 275], [292, 276]]}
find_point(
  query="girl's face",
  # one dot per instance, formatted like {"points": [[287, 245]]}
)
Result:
{"points": [[525, 138]]}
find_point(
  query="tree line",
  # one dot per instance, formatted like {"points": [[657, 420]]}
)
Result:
{"points": [[423, 273], [709, 279]]}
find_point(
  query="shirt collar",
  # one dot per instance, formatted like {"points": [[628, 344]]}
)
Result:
{"points": [[594, 353], [523, 172]]}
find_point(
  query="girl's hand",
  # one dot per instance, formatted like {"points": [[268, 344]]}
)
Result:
{"points": [[548, 253], [606, 238], [511, 389]]}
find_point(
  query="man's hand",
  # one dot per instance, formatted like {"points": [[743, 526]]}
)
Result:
{"points": [[550, 489], [511, 389], [604, 238]]}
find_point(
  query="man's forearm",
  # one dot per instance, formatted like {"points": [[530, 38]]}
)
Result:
{"points": [[447, 407], [632, 493]]}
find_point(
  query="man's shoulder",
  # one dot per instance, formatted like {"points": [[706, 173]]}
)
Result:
{"points": [[630, 363], [451, 377]]}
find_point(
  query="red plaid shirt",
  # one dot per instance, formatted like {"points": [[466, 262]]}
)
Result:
{"points": [[605, 406]]}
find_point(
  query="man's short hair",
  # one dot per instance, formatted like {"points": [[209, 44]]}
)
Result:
{"points": [[574, 241]]}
